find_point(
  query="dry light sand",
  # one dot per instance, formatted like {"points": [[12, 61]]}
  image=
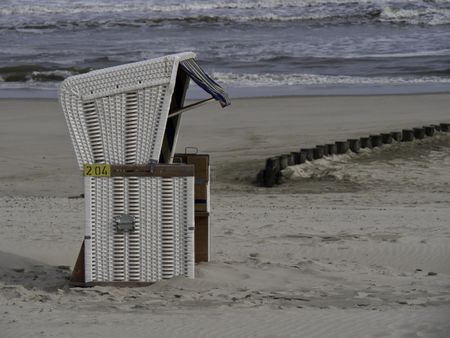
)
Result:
{"points": [[352, 246]]}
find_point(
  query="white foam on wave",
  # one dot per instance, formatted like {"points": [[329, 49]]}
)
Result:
{"points": [[58, 73], [67, 7], [438, 52], [30, 84], [417, 16], [435, 13], [272, 79]]}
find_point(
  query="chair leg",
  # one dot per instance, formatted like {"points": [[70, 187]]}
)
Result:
{"points": [[78, 276]]}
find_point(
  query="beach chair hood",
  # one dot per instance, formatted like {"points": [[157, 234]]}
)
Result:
{"points": [[129, 114]]}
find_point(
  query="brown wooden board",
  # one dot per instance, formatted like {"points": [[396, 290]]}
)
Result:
{"points": [[201, 207], [202, 228], [201, 238], [202, 214], [201, 163], [157, 170], [117, 284], [173, 123], [201, 192], [78, 275]]}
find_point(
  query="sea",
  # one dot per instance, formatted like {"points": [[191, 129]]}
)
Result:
{"points": [[251, 47]]}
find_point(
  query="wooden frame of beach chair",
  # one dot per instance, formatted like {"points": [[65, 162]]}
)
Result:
{"points": [[202, 202]]}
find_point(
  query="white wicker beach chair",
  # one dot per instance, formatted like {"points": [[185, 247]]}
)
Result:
{"points": [[120, 114], [130, 115]]}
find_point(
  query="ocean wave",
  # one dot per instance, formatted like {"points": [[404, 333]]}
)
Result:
{"points": [[99, 7], [183, 20], [37, 73], [424, 53], [63, 14], [68, 7], [419, 16], [319, 18], [314, 58], [269, 80]]}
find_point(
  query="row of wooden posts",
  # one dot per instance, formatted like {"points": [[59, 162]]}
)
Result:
{"points": [[271, 174]]}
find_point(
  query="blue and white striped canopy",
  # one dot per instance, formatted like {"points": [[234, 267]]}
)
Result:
{"points": [[204, 81]]}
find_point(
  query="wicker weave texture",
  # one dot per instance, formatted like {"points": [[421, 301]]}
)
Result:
{"points": [[118, 115], [161, 245]]}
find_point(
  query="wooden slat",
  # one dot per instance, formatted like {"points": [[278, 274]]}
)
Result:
{"points": [[202, 228], [201, 192], [202, 213], [120, 284], [201, 163], [201, 207], [158, 170], [173, 121], [78, 274], [201, 238]]}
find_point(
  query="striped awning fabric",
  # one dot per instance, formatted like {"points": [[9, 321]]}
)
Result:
{"points": [[204, 81]]}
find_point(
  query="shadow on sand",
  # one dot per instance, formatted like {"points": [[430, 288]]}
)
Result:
{"points": [[33, 275]]}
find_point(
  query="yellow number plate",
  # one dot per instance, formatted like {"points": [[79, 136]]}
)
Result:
{"points": [[97, 170]]}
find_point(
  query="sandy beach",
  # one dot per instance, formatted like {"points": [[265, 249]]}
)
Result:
{"points": [[351, 246]]}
